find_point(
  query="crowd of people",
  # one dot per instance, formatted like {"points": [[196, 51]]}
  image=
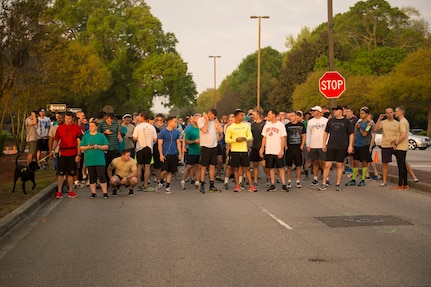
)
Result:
{"points": [[110, 151]]}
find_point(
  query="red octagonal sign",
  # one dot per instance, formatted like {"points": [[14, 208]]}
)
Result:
{"points": [[332, 85]]}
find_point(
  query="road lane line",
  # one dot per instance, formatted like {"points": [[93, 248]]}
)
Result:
{"points": [[279, 221]]}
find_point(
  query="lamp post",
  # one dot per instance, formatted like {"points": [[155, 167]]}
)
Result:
{"points": [[215, 82], [258, 57], [331, 41]]}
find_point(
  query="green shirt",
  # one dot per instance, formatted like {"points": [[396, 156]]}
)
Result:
{"points": [[192, 133], [94, 157]]}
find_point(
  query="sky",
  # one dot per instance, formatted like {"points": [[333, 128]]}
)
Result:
{"points": [[223, 28]]}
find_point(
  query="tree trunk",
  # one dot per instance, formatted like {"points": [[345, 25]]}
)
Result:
{"points": [[429, 120]]}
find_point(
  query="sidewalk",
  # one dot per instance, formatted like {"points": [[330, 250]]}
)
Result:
{"points": [[424, 177]]}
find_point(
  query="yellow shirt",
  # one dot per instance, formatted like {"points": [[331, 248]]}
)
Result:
{"points": [[404, 127], [235, 131]]}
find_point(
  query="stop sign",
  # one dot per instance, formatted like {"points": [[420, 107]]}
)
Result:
{"points": [[332, 85]]}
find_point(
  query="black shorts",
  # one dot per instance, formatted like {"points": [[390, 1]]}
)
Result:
{"points": [[42, 145], [317, 154], [170, 164], [66, 165], [237, 159], [221, 149], [208, 156], [156, 156], [387, 153], [272, 161], [97, 172], [254, 155], [362, 153], [337, 155], [293, 156], [192, 159], [144, 156]]}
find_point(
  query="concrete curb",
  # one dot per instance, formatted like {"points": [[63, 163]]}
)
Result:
{"points": [[422, 186], [23, 212]]}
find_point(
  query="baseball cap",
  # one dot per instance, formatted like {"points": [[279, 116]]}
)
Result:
{"points": [[41, 110], [316, 108], [127, 116], [337, 108]]}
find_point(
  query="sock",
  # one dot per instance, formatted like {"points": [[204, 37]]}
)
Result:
{"points": [[355, 173], [226, 180], [364, 172], [167, 184], [211, 183]]}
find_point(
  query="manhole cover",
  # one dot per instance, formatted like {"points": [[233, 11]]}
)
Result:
{"points": [[362, 220]]}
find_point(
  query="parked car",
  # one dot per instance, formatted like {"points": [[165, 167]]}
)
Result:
{"points": [[415, 141]]}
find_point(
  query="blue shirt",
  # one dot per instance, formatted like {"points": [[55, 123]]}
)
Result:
{"points": [[169, 146]]}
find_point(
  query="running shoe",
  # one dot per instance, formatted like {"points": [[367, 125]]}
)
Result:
{"points": [[337, 187], [131, 192], [361, 183], [159, 186], [289, 185], [183, 185], [114, 192], [214, 189], [226, 186], [351, 183], [168, 190], [284, 188], [298, 184], [323, 187], [93, 195], [271, 188], [202, 189], [252, 188], [237, 188], [314, 182], [105, 196], [58, 195], [72, 194]]}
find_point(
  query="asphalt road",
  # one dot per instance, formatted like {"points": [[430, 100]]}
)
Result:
{"points": [[223, 239]]}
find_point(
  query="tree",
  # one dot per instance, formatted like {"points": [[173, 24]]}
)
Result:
{"points": [[409, 84]]}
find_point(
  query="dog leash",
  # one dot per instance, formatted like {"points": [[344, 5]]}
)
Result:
{"points": [[42, 159]]}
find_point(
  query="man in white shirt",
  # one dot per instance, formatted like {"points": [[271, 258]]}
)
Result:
{"points": [[273, 145], [145, 136], [209, 125], [314, 137]]}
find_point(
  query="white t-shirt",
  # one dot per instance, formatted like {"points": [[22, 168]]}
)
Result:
{"points": [[315, 132], [146, 135], [208, 139], [274, 134]]}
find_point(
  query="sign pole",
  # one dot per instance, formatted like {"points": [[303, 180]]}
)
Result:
{"points": [[331, 42]]}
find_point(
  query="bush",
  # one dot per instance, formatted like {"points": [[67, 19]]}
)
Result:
{"points": [[3, 137]]}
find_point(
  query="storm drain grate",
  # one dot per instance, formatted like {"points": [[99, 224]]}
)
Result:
{"points": [[362, 220]]}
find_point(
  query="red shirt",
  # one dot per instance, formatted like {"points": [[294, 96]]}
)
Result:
{"points": [[68, 136]]}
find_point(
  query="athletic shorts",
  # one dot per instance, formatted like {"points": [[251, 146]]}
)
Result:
{"points": [[362, 154], [337, 155], [317, 154], [66, 165], [170, 164], [221, 149], [97, 172], [42, 145], [192, 159], [254, 155], [32, 146], [293, 156], [208, 156], [387, 153], [156, 156], [272, 161], [237, 159], [144, 156]]}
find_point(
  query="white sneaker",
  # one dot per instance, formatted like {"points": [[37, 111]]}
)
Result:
{"points": [[183, 185], [159, 187], [168, 190]]}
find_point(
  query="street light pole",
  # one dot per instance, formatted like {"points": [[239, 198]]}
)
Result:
{"points": [[215, 81], [331, 41], [258, 56]]}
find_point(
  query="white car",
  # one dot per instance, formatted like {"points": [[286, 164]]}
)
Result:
{"points": [[415, 141]]}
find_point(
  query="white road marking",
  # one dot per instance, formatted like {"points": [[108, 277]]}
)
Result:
{"points": [[279, 221]]}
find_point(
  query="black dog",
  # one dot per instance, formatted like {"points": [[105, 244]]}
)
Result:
{"points": [[26, 173]]}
